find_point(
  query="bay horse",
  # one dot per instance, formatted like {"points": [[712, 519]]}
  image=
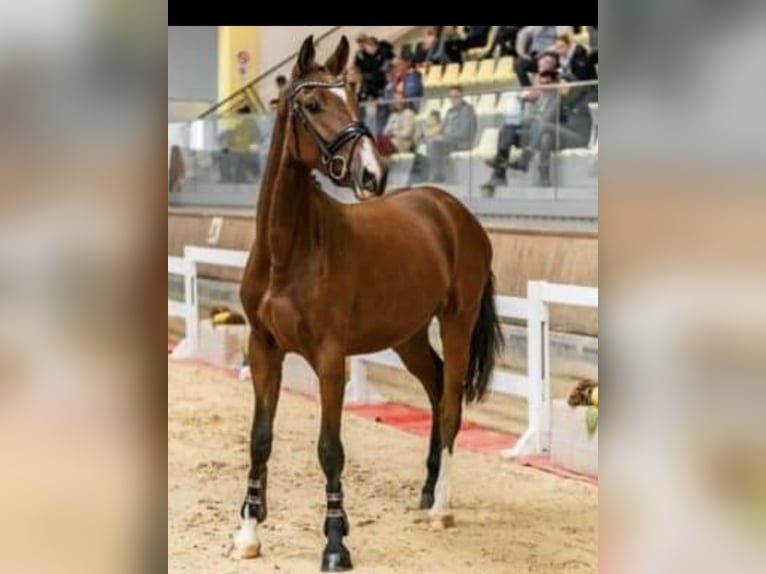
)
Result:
{"points": [[327, 280]]}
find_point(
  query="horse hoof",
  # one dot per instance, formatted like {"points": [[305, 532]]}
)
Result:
{"points": [[442, 522], [426, 500], [247, 541], [252, 551], [339, 561]]}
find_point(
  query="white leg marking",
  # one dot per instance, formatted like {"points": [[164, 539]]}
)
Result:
{"points": [[246, 540], [443, 491]]}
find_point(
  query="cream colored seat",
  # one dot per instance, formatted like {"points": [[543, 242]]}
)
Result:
{"points": [[451, 75], [486, 71], [468, 73], [504, 72], [433, 76]]}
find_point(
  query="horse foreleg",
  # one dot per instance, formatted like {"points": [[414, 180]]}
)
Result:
{"points": [[266, 371], [336, 557]]}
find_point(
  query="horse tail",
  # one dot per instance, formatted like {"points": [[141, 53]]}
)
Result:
{"points": [[486, 344]]}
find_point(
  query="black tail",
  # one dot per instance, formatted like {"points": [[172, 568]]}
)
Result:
{"points": [[486, 344]]}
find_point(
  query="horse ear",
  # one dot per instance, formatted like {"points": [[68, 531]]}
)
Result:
{"points": [[305, 58], [337, 62]]}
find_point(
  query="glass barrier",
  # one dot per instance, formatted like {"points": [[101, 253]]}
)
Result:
{"points": [[498, 150]]}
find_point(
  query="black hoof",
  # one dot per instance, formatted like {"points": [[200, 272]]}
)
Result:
{"points": [[426, 500], [336, 561]]}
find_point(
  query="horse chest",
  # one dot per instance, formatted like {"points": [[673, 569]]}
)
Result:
{"points": [[283, 316]]}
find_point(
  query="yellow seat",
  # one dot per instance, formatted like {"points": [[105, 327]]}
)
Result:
{"points": [[468, 73], [451, 75], [486, 71], [504, 72], [433, 76], [583, 38]]}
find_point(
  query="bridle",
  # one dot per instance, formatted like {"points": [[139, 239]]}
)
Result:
{"points": [[336, 164]]}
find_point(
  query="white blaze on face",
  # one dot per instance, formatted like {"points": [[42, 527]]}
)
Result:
{"points": [[369, 160], [443, 491], [341, 93]]}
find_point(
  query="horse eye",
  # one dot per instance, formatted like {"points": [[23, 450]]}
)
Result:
{"points": [[313, 107]]}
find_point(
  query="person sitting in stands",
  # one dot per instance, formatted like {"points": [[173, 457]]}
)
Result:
{"points": [[281, 84], [237, 160], [576, 66], [475, 37], [531, 41], [405, 81], [399, 133], [458, 133], [506, 40], [510, 136], [540, 128]]}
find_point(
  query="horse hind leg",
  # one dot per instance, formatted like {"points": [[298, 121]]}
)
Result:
{"points": [[424, 363], [456, 341]]}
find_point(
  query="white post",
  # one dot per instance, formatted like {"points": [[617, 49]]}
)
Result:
{"points": [[546, 404], [530, 442], [192, 311], [358, 390]]}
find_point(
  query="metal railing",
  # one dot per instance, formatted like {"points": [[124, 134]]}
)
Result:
{"points": [[216, 174]]}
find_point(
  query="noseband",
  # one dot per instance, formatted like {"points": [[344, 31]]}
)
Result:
{"points": [[336, 164]]}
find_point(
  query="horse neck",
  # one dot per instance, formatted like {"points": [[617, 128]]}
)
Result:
{"points": [[297, 210], [268, 184]]}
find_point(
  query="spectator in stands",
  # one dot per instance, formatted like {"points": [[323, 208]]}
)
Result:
{"points": [[176, 169], [431, 129], [237, 160], [575, 64], [532, 41], [540, 128], [505, 38], [548, 61], [442, 35], [404, 80], [399, 133], [510, 136], [281, 84], [370, 61], [430, 45], [576, 67], [475, 37], [458, 133]]}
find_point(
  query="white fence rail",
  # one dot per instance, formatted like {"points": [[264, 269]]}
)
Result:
{"points": [[534, 386]]}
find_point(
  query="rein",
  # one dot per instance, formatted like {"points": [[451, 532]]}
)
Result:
{"points": [[336, 164]]}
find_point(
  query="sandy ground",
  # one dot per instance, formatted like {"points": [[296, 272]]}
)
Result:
{"points": [[509, 518]]}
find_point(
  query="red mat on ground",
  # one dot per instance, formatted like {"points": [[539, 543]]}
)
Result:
{"points": [[417, 421]]}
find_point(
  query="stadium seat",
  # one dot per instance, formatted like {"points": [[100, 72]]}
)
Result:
{"points": [[451, 75], [433, 76], [504, 72], [468, 73], [583, 38], [486, 71], [469, 164]]}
